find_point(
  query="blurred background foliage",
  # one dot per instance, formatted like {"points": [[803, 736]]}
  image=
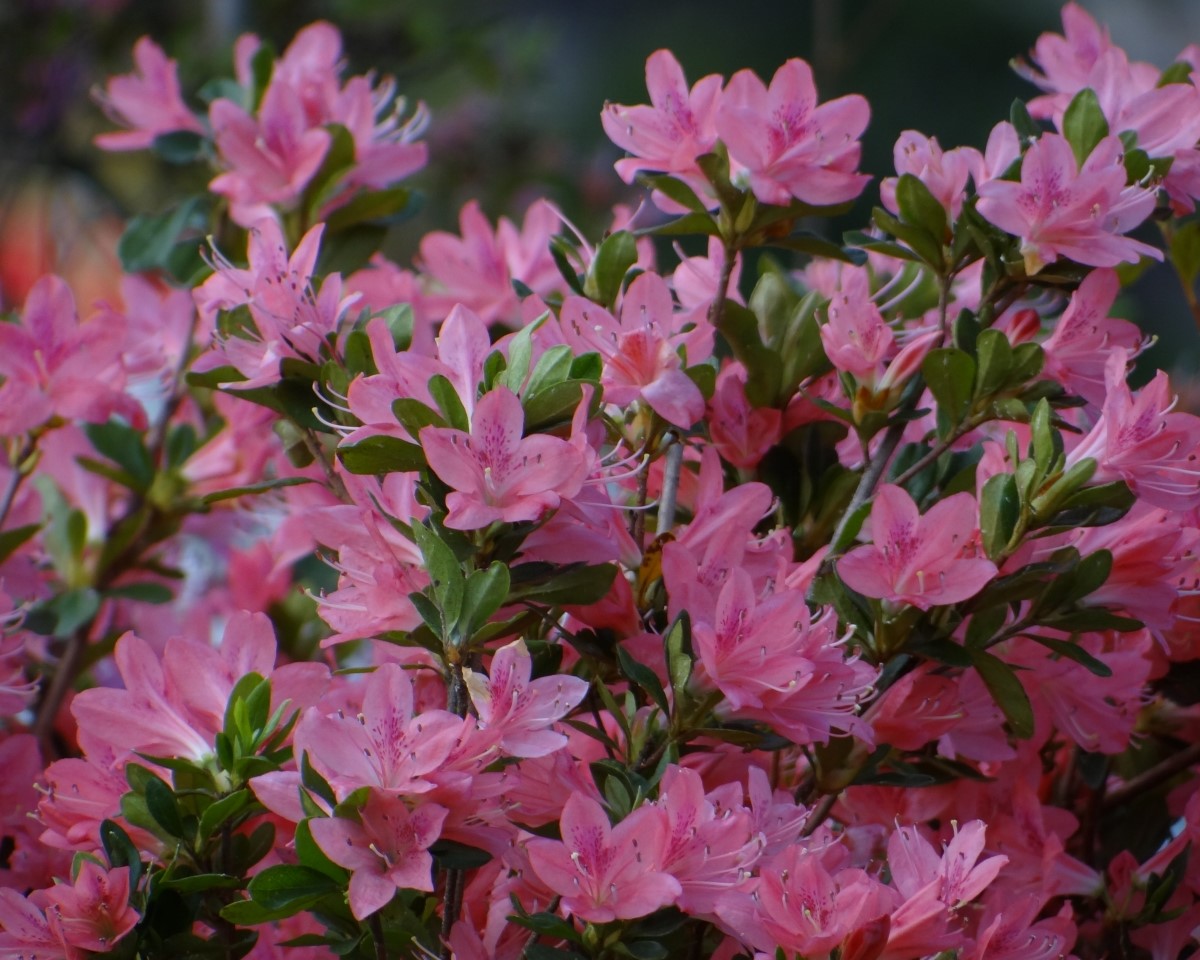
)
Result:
{"points": [[515, 88]]}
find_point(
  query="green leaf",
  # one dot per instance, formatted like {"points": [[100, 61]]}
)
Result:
{"points": [[1045, 442], [120, 850], [11, 540], [148, 240], [552, 367], [290, 888], [445, 573], [449, 403], [221, 811], [200, 882], [927, 247], [950, 375], [613, 260], [382, 454], [145, 592], [999, 513], [485, 592], [123, 445], [452, 855], [1010, 696], [1184, 251], [350, 249], [984, 627], [1073, 651], [739, 326], [677, 645], [371, 206], [994, 361], [644, 677], [1026, 127], [677, 190], [249, 489], [576, 583], [339, 160], [180, 146], [919, 207], [554, 404], [160, 801], [520, 354], [1083, 124]]}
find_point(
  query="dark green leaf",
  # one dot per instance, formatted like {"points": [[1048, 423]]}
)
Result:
{"points": [[999, 513], [123, 445], [950, 375], [1073, 651], [676, 190], [221, 811], [551, 585], [371, 206], [144, 592], [1083, 124], [382, 454], [160, 801], [452, 855], [994, 361], [286, 887], [919, 207], [449, 403], [642, 676], [485, 592], [613, 260], [252, 488], [180, 146], [11, 540], [1010, 696], [148, 240]]}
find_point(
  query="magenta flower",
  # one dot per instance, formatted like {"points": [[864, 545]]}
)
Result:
{"points": [[783, 145], [386, 852], [496, 474], [147, 101], [1060, 210], [603, 872], [519, 710], [926, 561]]}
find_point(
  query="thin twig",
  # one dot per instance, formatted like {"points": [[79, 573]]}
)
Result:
{"points": [[1155, 776], [670, 486]]}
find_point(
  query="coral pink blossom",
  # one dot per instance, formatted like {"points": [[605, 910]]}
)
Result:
{"points": [[147, 101], [667, 136], [783, 145], [603, 872], [94, 912], [926, 561], [1061, 210], [497, 474], [521, 711], [386, 852]]}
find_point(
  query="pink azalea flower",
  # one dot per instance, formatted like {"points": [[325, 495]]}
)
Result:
{"points": [[52, 364], [783, 145], [603, 872], [641, 350], [1140, 440], [1078, 349], [496, 474], [477, 269], [925, 561], [26, 932], [944, 172], [668, 135], [147, 101], [519, 710], [741, 433], [93, 913], [1061, 210], [290, 318], [386, 852], [385, 746]]}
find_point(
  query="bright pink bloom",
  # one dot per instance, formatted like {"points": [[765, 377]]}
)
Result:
{"points": [[741, 433], [783, 145], [385, 746], [641, 351], [94, 913], [944, 172], [386, 852], [1061, 210], [603, 872], [668, 135], [855, 336], [477, 269], [521, 711], [290, 318], [497, 474], [52, 364], [1140, 440], [1085, 336], [24, 930], [147, 101], [926, 561]]}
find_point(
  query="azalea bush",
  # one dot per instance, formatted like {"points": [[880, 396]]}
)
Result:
{"points": [[718, 587]]}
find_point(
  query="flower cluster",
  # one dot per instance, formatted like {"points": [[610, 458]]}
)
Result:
{"points": [[540, 599]]}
